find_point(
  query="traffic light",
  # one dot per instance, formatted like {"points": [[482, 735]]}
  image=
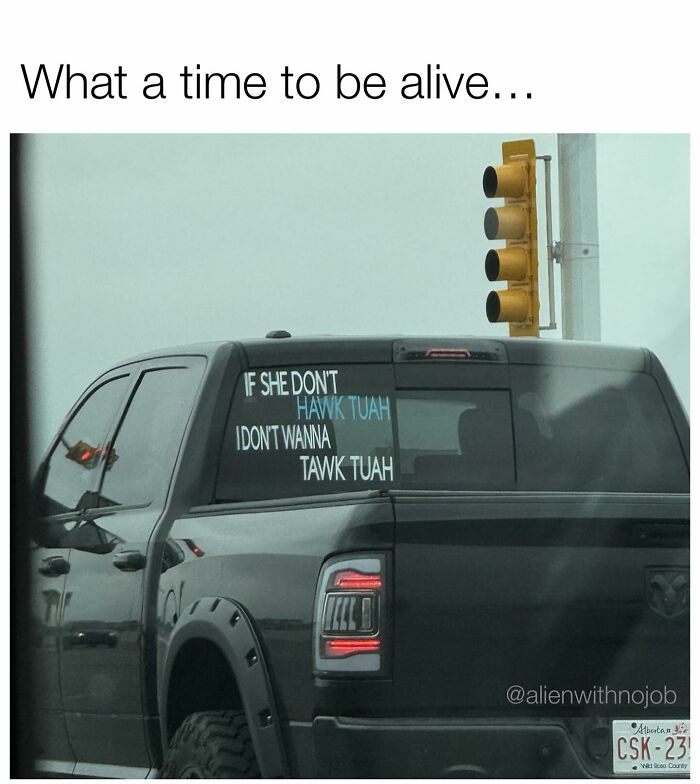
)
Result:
{"points": [[83, 454], [516, 223], [89, 456]]}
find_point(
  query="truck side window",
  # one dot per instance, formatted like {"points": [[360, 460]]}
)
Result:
{"points": [[309, 430], [73, 464], [593, 430], [140, 464]]}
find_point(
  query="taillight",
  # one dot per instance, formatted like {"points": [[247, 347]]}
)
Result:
{"points": [[337, 647], [350, 624], [357, 580]]}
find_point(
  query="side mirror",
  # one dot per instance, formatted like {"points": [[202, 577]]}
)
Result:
{"points": [[46, 533]]}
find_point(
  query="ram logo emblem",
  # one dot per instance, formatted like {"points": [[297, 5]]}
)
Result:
{"points": [[668, 591]]}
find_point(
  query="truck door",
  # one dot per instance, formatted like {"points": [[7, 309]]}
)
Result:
{"points": [[102, 627], [67, 478]]}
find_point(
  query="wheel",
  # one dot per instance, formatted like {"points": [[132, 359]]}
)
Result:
{"points": [[212, 745]]}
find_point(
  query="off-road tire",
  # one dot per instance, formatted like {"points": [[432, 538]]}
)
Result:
{"points": [[212, 745]]}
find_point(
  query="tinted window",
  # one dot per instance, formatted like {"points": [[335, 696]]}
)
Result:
{"points": [[594, 430], [74, 462], [308, 430], [143, 455], [457, 440]]}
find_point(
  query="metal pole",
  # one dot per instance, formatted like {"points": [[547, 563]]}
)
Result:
{"points": [[550, 242], [578, 225]]}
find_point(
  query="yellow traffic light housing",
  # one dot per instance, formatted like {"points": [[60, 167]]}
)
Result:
{"points": [[516, 223]]}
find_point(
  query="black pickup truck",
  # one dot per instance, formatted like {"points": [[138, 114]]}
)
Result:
{"points": [[354, 557]]}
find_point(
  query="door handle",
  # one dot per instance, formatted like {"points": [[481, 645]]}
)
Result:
{"points": [[130, 560], [54, 565]]}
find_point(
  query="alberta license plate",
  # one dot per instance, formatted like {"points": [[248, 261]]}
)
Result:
{"points": [[649, 748]]}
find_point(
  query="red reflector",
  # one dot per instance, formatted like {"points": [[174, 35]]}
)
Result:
{"points": [[358, 581], [349, 647], [448, 353], [86, 456]]}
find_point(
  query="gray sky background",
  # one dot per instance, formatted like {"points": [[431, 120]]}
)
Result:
{"points": [[142, 241]]}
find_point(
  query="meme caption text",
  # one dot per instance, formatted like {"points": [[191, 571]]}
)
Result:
{"points": [[63, 81]]}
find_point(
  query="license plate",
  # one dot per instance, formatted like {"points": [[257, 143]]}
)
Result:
{"points": [[648, 748]]}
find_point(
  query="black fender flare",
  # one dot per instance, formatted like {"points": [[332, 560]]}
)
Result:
{"points": [[226, 623]]}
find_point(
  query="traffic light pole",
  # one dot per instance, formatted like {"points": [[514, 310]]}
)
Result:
{"points": [[550, 240], [578, 226]]}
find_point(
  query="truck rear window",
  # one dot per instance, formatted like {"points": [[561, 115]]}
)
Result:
{"points": [[583, 429], [455, 440], [328, 429]]}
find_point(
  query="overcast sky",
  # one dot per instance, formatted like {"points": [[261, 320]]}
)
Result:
{"points": [[142, 241]]}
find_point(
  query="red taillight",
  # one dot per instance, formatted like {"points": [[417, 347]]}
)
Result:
{"points": [[350, 616], [357, 581], [86, 455], [348, 647]]}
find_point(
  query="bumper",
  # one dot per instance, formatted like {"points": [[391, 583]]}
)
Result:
{"points": [[406, 748]]}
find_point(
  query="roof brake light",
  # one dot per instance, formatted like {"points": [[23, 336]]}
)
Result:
{"points": [[448, 353], [450, 350]]}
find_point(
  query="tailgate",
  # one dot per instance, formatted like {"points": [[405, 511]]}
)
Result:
{"points": [[542, 605]]}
